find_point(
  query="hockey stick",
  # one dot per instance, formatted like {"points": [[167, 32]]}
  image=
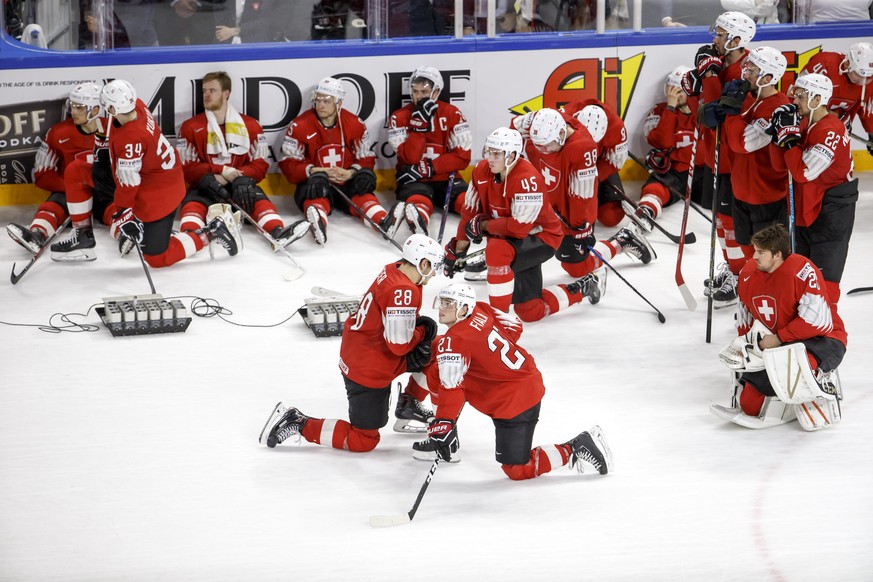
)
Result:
{"points": [[404, 518], [360, 211], [661, 317], [690, 238], [680, 280], [666, 184], [712, 236], [16, 277], [791, 212], [446, 207], [145, 267], [866, 141], [296, 271], [860, 290]]}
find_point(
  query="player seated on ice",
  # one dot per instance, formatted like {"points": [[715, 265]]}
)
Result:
{"points": [[327, 149], [386, 337], [506, 205], [224, 156], [504, 384], [791, 340]]}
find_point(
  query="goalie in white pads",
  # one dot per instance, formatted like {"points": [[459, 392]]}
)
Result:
{"points": [[791, 340]]}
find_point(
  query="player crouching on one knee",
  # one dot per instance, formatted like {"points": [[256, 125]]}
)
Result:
{"points": [[791, 340], [504, 384]]}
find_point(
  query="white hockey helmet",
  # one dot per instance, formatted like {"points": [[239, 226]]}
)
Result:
{"points": [[87, 94], [430, 75], [548, 125], [595, 121], [462, 294], [815, 84], [770, 61], [735, 24], [674, 79], [118, 97], [331, 87], [859, 60], [421, 246], [506, 140]]}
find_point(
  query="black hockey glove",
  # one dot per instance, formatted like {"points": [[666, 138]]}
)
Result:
{"points": [[422, 116], [363, 182], [210, 186], [711, 115], [245, 193], [691, 83], [474, 229], [453, 255], [574, 247], [406, 174], [317, 186], [733, 95], [429, 326], [444, 436], [127, 225], [418, 357], [786, 125], [870, 143], [707, 60]]}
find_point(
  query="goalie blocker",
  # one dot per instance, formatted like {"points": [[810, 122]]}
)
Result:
{"points": [[785, 377]]}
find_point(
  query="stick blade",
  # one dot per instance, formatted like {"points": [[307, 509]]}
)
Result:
{"points": [[389, 520], [293, 274], [688, 297]]}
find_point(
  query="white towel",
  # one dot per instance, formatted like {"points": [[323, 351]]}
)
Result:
{"points": [[235, 138]]}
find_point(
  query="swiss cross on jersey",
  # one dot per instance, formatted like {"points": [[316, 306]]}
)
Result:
{"points": [[332, 155], [432, 151], [684, 139], [765, 307], [840, 107], [551, 176]]}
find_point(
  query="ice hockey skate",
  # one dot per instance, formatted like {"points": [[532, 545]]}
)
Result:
{"points": [[590, 448], [30, 238], [718, 280], [634, 244], [641, 216], [80, 246], [283, 423], [224, 230], [285, 235], [395, 218], [475, 269], [318, 224], [726, 295], [592, 286], [412, 416], [416, 220]]}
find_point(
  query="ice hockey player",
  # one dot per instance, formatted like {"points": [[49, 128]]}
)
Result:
{"points": [[65, 142], [716, 65], [149, 188], [384, 339], [432, 140], [502, 382], [791, 340], [328, 147], [224, 156], [759, 189], [814, 145], [506, 205], [565, 156]]}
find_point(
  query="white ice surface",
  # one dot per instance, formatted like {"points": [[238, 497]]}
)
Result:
{"points": [[137, 458]]}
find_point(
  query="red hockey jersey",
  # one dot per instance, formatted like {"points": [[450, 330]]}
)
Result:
{"points": [[791, 301], [376, 340], [197, 162], [148, 174], [308, 143], [672, 131], [447, 146], [712, 87], [478, 361], [613, 147], [63, 143], [516, 207], [846, 100]]}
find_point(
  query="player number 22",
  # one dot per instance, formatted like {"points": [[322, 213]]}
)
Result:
{"points": [[494, 338]]}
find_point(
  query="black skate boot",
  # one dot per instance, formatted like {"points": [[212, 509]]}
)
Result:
{"points": [[726, 295], [592, 286], [590, 447], [30, 238], [411, 414], [426, 451], [224, 230], [318, 224], [416, 220], [81, 246], [635, 244], [285, 235], [283, 423], [392, 221]]}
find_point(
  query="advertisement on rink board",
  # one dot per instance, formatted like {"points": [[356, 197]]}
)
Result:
{"points": [[488, 88]]}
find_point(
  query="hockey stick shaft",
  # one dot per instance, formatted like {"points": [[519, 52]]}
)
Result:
{"points": [[363, 214], [145, 266], [390, 520], [690, 237], [16, 277], [263, 232], [666, 184], [860, 290], [866, 141], [680, 280], [713, 239], [661, 317], [791, 218], [445, 216]]}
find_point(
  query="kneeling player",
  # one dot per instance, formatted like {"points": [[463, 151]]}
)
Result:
{"points": [[783, 300], [478, 361]]}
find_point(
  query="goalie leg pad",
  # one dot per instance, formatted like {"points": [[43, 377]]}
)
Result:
{"points": [[818, 414], [773, 413], [791, 376]]}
